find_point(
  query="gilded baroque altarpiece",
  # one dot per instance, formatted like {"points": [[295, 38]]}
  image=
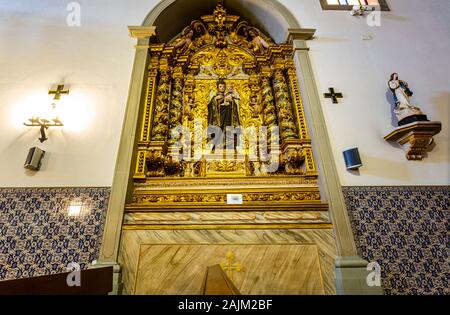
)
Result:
{"points": [[182, 182]]}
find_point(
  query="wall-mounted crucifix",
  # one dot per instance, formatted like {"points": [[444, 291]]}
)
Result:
{"points": [[333, 95]]}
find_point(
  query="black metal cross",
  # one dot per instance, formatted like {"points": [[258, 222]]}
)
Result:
{"points": [[58, 92], [333, 95]]}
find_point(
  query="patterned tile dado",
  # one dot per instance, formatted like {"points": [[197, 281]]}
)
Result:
{"points": [[36, 235], [406, 230]]}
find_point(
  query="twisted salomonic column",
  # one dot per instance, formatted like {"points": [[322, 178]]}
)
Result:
{"points": [[269, 110], [161, 119], [285, 113], [176, 109], [270, 145]]}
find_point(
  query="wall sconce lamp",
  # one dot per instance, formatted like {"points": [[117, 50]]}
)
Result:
{"points": [[45, 123]]}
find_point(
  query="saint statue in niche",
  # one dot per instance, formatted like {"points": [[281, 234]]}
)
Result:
{"points": [[406, 113], [223, 109]]}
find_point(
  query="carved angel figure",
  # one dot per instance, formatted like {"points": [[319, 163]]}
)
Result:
{"points": [[257, 43], [187, 42], [240, 34], [201, 33]]}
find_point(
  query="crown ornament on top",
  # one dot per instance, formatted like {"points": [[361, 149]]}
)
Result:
{"points": [[220, 15]]}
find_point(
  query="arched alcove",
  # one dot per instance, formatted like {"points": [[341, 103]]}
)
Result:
{"points": [[170, 16]]}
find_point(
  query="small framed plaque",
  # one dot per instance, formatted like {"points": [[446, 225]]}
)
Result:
{"points": [[235, 199]]}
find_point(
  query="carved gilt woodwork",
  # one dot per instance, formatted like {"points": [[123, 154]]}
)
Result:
{"points": [[417, 137], [183, 74], [189, 191]]}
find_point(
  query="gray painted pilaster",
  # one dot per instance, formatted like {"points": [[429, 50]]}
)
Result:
{"points": [[125, 159]]}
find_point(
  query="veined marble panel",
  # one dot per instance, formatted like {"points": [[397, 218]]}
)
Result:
{"points": [[133, 242], [266, 269], [313, 216], [145, 218], [227, 217], [224, 216]]}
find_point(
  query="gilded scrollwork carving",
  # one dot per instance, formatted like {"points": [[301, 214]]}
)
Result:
{"points": [[155, 163], [192, 169], [222, 197], [294, 160], [225, 166], [172, 166], [141, 168], [149, 97], [292, 78]]}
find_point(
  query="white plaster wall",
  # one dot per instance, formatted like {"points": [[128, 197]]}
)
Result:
{"points": [[413, 40], [38, 49]]}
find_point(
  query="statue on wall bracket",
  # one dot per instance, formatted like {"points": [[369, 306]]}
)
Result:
{"points": [[406, 112], [414, 128]]}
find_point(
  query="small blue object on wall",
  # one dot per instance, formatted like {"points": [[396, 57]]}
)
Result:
{"points": [[352, 159]]}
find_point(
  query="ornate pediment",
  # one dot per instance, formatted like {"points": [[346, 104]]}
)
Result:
{"points": [[221, 30]]}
